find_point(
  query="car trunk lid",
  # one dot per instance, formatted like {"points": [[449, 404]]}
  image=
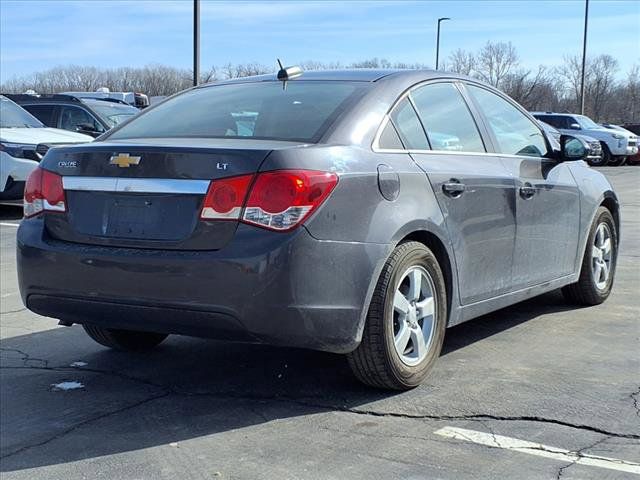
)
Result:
{"points": [[148, 195]]}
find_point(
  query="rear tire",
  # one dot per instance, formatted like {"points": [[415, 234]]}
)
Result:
{"points": [[592, 288], [411, 272], [125, 340]]}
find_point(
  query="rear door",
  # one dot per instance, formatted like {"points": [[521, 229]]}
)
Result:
{"points": [[547, 199], [474, 190]]}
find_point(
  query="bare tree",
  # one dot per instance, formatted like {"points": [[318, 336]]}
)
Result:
{"points": [[599, 82], [631, 97], [495, 61], [461, 62]]}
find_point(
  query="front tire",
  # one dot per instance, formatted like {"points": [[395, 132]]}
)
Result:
{"points": [[124, 340], [406, 321], [598, 264], [609, 159]]}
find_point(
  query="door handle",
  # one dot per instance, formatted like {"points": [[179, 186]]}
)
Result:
{"points": [[453, 188], [527, 191]]}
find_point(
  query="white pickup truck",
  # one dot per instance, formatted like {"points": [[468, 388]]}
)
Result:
{"points": [[617, 145]]}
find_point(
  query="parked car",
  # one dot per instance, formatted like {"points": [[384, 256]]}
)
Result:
{"points": [[90, 116], [329, 222], [629, 129], [20, 134], [594, 149], [616, 145]]}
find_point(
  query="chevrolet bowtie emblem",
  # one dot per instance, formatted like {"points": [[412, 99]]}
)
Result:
{"points": [[124, 160]]}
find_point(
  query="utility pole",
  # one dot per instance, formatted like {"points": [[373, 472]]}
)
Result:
{"points": [[196, 42], [584, 56], [438, 40]]}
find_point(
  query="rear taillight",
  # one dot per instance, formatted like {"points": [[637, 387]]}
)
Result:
{"points": [[278, 200], [281, 200], [225, 198], [43, 191]]}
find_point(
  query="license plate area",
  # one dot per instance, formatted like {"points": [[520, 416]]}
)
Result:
{"points": [[141, 216]]}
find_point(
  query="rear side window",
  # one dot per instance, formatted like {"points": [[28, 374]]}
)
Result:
{"points": [[389, 139], [447, 119], [263, 110], [44, 113], [408, 125], [515, 132]]}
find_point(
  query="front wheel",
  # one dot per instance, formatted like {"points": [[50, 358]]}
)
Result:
{"points": [[126, 340], [405, 323], [598, 264], [609, 159]]}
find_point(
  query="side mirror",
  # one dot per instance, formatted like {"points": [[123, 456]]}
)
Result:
{"points": [[572, 149], [575, 126]]}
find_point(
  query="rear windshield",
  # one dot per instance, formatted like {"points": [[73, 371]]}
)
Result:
{"points": [[263, 110]]}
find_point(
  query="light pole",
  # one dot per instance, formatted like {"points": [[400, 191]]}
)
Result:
{"points": [[196, 42], [441, 19], [584, 56]]}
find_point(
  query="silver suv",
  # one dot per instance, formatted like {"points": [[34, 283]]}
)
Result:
{"points": [[616, 144]]}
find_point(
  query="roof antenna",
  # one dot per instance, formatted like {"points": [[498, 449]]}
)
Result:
{"points": [[287, 73]]}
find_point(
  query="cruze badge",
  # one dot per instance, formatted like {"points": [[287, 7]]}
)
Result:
{"points": [[124, 160], [68, 164]]}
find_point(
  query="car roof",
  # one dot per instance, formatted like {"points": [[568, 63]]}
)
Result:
{"points": [[348, 75]]}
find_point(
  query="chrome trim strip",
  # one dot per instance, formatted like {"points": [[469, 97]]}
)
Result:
{"points": [[97, 184], [136, 185]]}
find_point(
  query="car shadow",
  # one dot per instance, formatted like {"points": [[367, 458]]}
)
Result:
{"points": [[186, 389]]}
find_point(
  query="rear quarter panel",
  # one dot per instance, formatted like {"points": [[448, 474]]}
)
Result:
{"points": [[357, 210]]}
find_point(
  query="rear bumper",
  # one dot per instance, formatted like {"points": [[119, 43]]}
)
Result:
{"points": [[282, 289]]}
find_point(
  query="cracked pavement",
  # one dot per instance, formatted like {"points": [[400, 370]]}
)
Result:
{"points": [[539, 371]]}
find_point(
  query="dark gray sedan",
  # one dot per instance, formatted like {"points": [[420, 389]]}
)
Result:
{"points": [[359, 212]]}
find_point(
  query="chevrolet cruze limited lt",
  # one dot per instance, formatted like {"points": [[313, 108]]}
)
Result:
{"points": [[358, 212]]}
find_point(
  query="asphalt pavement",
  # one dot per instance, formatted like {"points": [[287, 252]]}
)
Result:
{"points": [[539, 390]]}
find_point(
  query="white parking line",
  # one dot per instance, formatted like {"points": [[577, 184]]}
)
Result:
{"points": [[7, 224], [538, 449]]}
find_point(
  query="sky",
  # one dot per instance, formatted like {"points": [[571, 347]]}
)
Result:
{"points": [[36, 35]]}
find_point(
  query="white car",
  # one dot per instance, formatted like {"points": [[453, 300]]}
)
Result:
{"points": [[20, 134], [617, 144]]}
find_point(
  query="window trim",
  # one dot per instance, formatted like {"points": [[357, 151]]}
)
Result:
{"points": [[472, 108]]}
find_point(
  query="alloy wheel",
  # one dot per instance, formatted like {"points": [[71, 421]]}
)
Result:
{"points": [[601, 255], [414, 315]]}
